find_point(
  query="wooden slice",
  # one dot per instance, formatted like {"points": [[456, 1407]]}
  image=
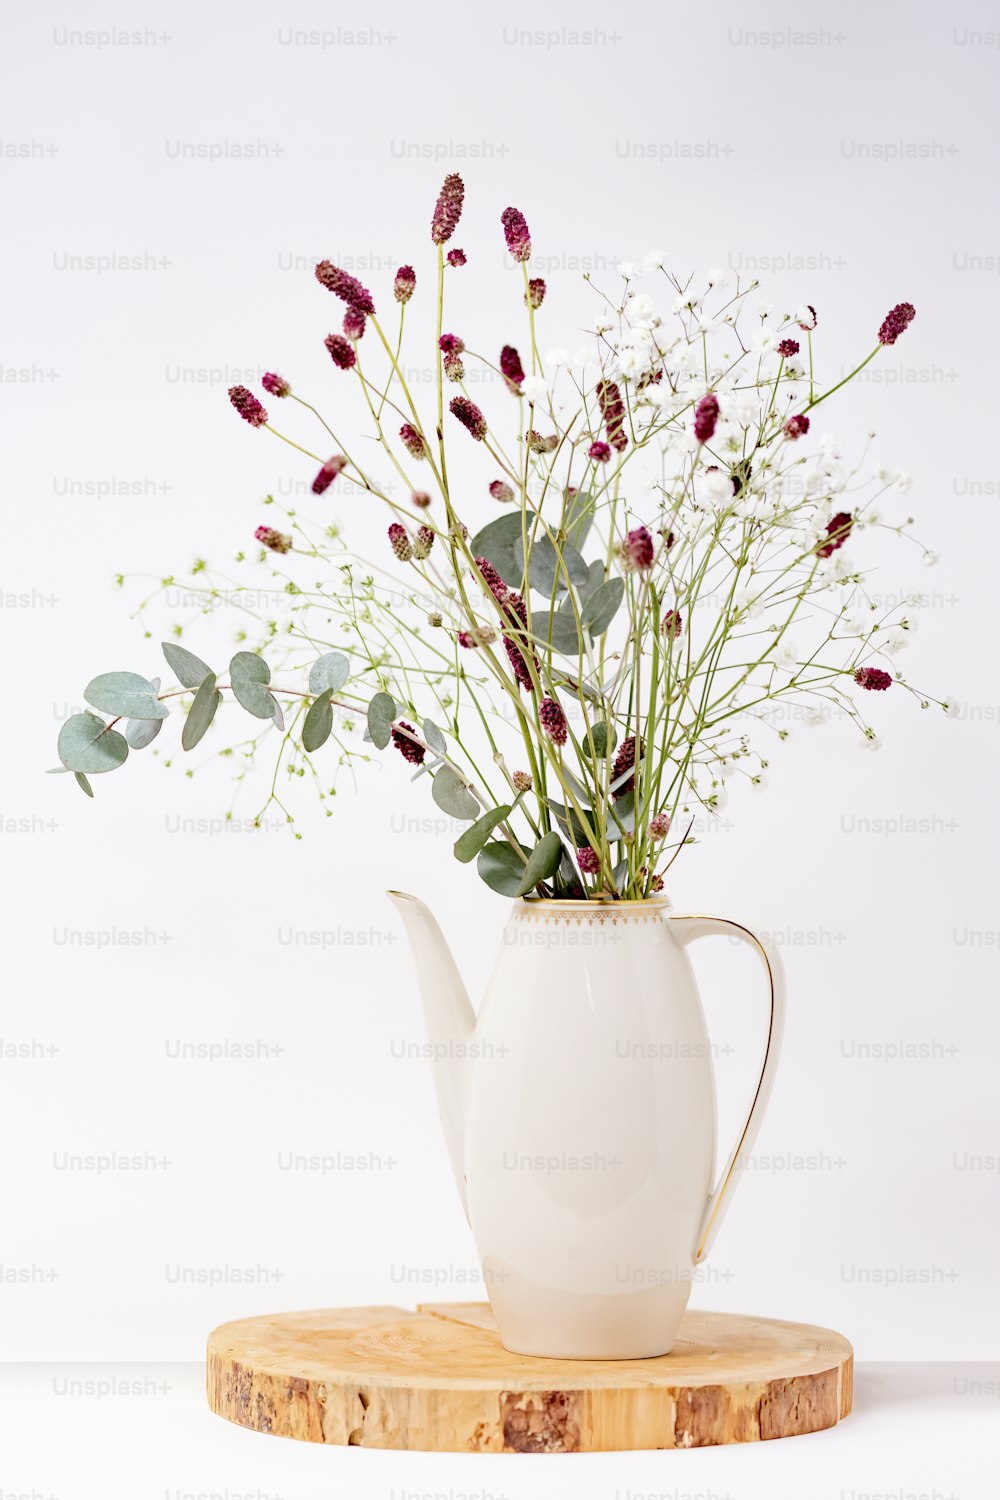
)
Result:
{"points": [[439, 1379]]}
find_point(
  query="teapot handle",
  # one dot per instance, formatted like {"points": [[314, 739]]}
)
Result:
{"points": [[687, 930]]}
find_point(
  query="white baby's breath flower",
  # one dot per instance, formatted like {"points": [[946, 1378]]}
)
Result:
{"points": [[640, 306], [585, 356], [930, 559], [717, 279], [685, 302], [716, 485], [626, 269], [952, 707], [765, 339], [765, 309], [870, 740], [603, 324], [705, 323], [794, 370], [557, 357], [533, 387], [653, 260], [632, 361], [903, 482]]}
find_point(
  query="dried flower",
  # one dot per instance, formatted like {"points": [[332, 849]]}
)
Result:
{"points": [[435, 618], [516, 612], [535, 295], [659, 827], [340, 351], [450, 343], [896, 322], [403, 737], [788, 348], [609, 399], [553, 721], [492, 579], [796, 427], [655, 883], [448, 209], [637, 550], [354, 323], [873, 679], [423, 543], [247, 405], [589, 861], [838, 530], [456, 258], [806, 318], [672, 625], [274, 541], [400, 542], [501, 490], [345, 286], [405, 284], [467, 640], [706, 415], [521, 781], [599, 452], [515, 230], [470, 416], [624, 761], [276, 385], [510, 367], [538, 444], [328, 473], [412, 441], [453, 367], [420, 499]]}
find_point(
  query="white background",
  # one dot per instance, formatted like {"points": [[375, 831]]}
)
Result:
{"points": [[121, 454]]}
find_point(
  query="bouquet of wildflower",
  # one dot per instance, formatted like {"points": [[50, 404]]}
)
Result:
{"points": [[578, 675]]}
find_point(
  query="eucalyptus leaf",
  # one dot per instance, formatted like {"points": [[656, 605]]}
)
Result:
{"points": [[567, 882], [87, 744], [434, 737], [500, 543], [549, 563], [602, 605], [473, 839], [189, 669], [623, 813], [126, 694], [501, 867], [600, 739], [249, 675], [330, 671], [319, 722], [452, 795], [84, 784], [142, 732], [558, 627], [570, 822], [201, 713], [381, 712], [277, 715], [595, 577], [620, 874], [543, 862], [578, 516]]}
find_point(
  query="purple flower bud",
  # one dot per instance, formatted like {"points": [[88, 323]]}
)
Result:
{"points": [[897, 322], [456, 258], [328, 473], [788, 348], [672, 625], [516, 612], [276, 385], [624, 761], [501, 490], [345, 286], [400, 542], [492, 579], [706, 414], [796, 427], [467, 640], [423, 543], [448, 209], [537, 443], [873, 679], [420, 499], [274, 541], [535, 295], [450, 343], [354, 323], [409, 749], [659, 827], [588, 860], [637, 549], [522, 781], [470, 416], [609, 399], [405, 284], [599, 452], [838, 530], [510, 367], [515, 229], [247, 405], [341, 351], [553, 721], [412, 441]]}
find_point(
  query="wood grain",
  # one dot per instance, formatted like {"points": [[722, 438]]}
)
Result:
{"points": [[439, 1379]]}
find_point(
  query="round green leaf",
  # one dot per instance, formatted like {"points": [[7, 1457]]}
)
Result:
{"points": [[189, 669], [126, 694], [543, 862], [319, 722], [249, 675], [202, 712], [602, 606], [501, 867], [381, 712], [87, 744], [331, 671], [559, 628], [599, 739], [497, 543], [452, 795], [473, 839], [549, 562], [434, 737], [142, 732]]}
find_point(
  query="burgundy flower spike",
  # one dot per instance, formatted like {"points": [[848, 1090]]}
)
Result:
{"points": [[873, 679], [345, 286], [515, 228], [470, 416], [247, 405], [897, 322], [448, 209]]}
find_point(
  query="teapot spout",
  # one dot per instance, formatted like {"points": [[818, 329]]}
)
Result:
{"points": [[450, 1022]]}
